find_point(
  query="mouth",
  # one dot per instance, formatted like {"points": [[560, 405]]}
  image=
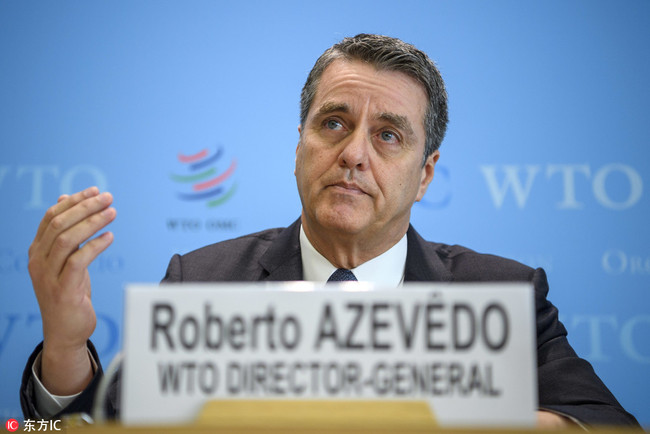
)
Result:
{"points": [[347, 187]]}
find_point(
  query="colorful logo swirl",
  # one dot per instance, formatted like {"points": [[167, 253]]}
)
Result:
{"points": [[203, 178]]}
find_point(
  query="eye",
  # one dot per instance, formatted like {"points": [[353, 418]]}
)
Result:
{"points": [[389, 136], [333, 124]]}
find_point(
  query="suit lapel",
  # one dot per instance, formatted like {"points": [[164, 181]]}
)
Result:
{"points": [[422, 262], [282, 260]]}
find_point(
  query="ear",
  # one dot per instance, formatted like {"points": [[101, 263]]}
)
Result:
{"points": [[297, 149], [299, 137], [427, 174]]}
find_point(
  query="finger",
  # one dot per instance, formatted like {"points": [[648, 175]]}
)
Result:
{"points": [[56, 231], [72, 274], [67, 243], [64, 203]]}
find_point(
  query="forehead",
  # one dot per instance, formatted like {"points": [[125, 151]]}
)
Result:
{"points": [[360, 85]]}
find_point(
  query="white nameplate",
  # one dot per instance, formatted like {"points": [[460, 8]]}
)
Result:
{"points": [[467, 349]]}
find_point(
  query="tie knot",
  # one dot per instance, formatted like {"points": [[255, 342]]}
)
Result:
{"points": [[342, 275]]}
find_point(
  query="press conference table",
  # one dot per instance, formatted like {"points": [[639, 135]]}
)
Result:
{"points": [[248, 417], [205, 429]]}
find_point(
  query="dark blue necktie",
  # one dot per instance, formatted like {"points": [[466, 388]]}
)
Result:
{"points": [[342, 275]]}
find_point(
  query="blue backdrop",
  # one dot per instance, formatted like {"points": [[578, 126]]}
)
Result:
{"points": [[546, 159]]}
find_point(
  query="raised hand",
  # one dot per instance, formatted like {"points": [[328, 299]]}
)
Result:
{"points": [[58, 266]]}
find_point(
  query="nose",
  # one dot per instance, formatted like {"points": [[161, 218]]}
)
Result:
{"points": [[355, 153]]}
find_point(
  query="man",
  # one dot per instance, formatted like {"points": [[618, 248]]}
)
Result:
{"points": [[373, 114]]}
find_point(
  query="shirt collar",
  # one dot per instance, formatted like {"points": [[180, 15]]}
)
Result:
{"points": [[386, 269]]}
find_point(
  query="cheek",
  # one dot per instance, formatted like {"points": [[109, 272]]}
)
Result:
{"points": [[307, 167], [315, 162], [399, 189]]}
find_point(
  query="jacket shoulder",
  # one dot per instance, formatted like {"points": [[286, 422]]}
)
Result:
{"points": [[250, 243], [466, 264], [236, 259]]}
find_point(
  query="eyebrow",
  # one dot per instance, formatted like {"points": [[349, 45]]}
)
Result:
{"points": [[331, 107], [400, 122]]}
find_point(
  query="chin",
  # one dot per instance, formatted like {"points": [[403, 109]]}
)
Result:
{"points": [[349, 223]]}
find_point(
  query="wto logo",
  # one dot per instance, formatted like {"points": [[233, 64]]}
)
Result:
{"points": [[611, 178], [205, 178]]}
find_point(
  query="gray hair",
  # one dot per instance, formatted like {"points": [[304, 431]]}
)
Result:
{"points": [[386, 53]]}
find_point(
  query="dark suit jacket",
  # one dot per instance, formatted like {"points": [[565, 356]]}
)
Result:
{"points": [[567, 384]]}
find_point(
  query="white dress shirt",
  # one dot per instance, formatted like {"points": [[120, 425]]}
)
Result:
{"points": [[386, 269]]}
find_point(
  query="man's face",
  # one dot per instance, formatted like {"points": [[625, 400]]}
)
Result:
{"points": [[359, 158]]}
